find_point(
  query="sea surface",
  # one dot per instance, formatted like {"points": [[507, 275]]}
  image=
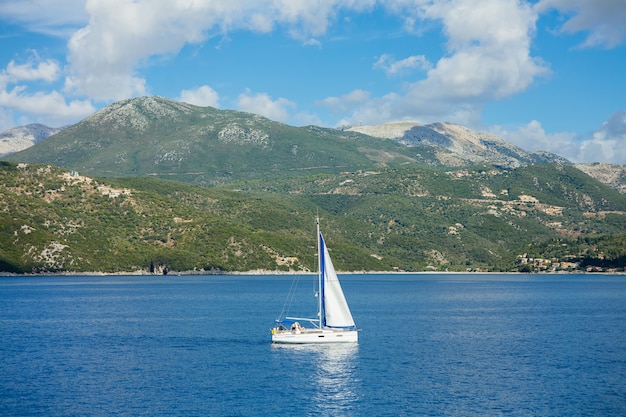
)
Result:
{"points": [[430, 345]]}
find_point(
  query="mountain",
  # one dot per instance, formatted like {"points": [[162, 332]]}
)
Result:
{"points": [[457, 145], [442, 197], [463, 145], [203, 145], [22, 137], [613, 175], [167, 139]]}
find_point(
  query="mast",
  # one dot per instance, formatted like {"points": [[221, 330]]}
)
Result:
{"points": [[320, 272]]}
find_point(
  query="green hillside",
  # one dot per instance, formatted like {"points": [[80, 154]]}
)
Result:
{"points": [[474, 217], [407, 218]]}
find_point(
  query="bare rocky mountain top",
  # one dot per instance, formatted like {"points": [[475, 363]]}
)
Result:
{"points": [[22, 137], [392, 130], [613, 175], [463, 145], [139, 113], [459, 145]]}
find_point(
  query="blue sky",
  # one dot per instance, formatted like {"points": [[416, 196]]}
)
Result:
{"points": [[544, 75]]}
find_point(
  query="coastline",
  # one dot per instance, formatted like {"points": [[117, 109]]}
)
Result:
{"points": [[263, 272]]}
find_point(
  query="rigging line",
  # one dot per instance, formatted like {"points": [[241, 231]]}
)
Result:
{"points": [[290, 296]]}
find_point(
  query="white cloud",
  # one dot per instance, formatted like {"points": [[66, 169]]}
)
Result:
{"points": [[606, 144], [346, 103], [103, 56], [488, 55], [200, 96], [52, 106], [6, 119], [124, 34], [306, 19], [112, 40], [58, 18], [312, 42], [488, 58], [532, 137], [306, 119], [603, 20], [489, 52], [34, 69], [391, 67], [263, 104], [488, 45]]}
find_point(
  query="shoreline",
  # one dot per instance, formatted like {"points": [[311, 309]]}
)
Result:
{"points": [[260, 272]]}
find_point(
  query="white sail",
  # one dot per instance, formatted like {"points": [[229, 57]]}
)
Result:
{"points": [[335, 310]]}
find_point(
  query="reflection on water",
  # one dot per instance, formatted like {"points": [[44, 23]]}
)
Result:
{"points": [[335, 384], [336, 392]]}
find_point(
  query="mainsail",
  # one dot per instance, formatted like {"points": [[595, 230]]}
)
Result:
{"points": [[335, 310]]}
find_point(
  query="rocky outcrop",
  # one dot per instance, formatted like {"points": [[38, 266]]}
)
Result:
{"points": [[613, 175], [22, 137], [464, 146]]}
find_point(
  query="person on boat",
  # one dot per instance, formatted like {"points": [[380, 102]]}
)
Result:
{"points": [[296, 327]]}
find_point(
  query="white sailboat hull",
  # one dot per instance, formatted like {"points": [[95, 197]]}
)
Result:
{"points": [[309, 336]]}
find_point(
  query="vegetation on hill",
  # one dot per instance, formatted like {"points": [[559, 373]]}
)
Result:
{"points": [[53, 220], [407, 218]]}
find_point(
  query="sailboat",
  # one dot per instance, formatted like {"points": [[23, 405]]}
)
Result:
{"points": [[334, 322]]}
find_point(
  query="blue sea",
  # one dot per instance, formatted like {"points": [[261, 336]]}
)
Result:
{"points": [[430, 345]]}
